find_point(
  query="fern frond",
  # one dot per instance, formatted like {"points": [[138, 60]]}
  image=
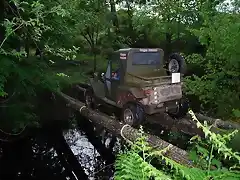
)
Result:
{"points": [[131, 166], [219, 141], [225, 175], [184, 171]]}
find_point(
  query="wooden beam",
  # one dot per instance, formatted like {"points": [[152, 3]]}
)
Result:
{"points": [[69, 160], [127, 132], [80, 88]]}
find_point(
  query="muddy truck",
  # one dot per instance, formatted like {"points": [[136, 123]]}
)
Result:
{"points": [[139, 82]]}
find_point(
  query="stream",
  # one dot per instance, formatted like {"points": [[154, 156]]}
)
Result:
{"points": [[68, 152], [42, 154], [35, 157]]}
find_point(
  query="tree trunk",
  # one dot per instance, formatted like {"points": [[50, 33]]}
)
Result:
{"points": [[168, 47], [114, 14], [27, 44], [66, 155], [131, 31], [217, 122], [94, 61], [2, 9]]}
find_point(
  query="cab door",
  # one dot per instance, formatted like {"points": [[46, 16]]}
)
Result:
{"points": [[107, 80], [115, 78], [112, 79]]}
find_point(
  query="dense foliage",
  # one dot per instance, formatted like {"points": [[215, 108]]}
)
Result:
{"points": [[218, 87]]}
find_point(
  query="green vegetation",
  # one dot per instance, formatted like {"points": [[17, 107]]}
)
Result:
{"points": [[211, 159], [39, 40]]}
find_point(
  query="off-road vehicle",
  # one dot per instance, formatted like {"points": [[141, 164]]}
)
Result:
{"points": [[139, 82]]}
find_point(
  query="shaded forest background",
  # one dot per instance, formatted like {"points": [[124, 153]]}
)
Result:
{"points": [[40, 39]]}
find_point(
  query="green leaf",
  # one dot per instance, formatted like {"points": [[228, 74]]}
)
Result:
{"points": [[216, 163], [193, 155], [202, 150]]}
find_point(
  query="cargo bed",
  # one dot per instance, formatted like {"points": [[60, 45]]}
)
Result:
{"points": [[143, 81]]}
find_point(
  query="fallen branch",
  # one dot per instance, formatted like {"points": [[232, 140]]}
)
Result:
{"points": [[127, 132]]}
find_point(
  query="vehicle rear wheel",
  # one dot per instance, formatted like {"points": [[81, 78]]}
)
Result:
{"points": [[89, 99], [132, 114]]}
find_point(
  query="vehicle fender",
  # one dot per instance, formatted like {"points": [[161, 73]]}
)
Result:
{"points": [[137, 93], [87, 87], [97, 87], [127, 96], [135, 102]]}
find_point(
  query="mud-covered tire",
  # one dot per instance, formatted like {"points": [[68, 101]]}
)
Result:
{"points": [[132, 114], [89, 98], [182, 109], [181, 63]]}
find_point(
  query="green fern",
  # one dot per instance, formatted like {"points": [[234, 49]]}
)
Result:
{"points": [[218, 141], [131, 165]]}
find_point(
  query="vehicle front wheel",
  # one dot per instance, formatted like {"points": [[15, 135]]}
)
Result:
{"points": [[132, 114], [89, 99]]}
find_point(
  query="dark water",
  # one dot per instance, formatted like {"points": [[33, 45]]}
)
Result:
{"points": [[45, 153], [88, 156], [41, 155]]}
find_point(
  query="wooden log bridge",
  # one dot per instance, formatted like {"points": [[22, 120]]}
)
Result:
{"points": [[127, 132]]}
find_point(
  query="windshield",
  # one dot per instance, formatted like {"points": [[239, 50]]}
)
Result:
{"points": [[146, 58]]}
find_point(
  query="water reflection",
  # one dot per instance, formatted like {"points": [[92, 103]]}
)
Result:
{"points": [[90, 159], [25, 159], [35, 157], [83, 150]]}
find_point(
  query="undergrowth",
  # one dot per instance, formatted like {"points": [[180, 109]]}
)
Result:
{"points": [[211, 159]]}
